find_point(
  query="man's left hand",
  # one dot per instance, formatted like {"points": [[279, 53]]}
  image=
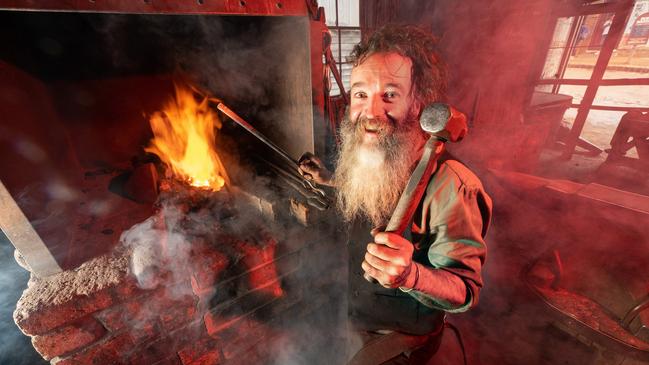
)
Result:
{"points": [[389, 260]]}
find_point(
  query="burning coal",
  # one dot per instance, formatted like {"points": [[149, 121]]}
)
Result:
{"points": [[184, 132]]}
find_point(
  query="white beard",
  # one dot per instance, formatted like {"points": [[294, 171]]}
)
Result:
{"points": [[369, 157], [370, 179]]}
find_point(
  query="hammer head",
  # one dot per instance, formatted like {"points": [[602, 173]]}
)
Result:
{"points": [[444, 122]]}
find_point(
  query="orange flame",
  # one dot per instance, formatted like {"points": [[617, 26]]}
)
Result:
{"points": [[183, 138]]}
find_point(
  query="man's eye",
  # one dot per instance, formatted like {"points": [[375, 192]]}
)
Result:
{"points": [[360, 95], [391, 94]]}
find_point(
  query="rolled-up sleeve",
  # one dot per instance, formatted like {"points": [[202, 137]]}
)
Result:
{"points": [[455, 215]]}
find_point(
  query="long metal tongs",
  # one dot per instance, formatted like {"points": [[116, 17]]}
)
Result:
{"points": [[296, 182], [315, 197]]}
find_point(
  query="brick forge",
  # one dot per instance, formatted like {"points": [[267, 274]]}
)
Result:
{"points": [[230, 297]]}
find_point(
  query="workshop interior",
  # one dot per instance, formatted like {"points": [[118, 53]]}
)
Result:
{"points": [[152, 211]]}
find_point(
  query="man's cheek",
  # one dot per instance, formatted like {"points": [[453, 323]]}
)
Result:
{"points": [[354, 112]]}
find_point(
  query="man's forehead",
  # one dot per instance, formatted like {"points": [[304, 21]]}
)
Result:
{"points": [[385, 68]]}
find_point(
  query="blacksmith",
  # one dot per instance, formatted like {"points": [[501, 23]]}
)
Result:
{"points": [[435, 267]]}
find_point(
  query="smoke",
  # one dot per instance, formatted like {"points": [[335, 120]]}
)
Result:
{"points": [[492, 49], [164, 251], [259, 66], [495, 53]]}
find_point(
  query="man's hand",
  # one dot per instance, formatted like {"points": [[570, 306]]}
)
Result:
{"points": [[313, 169], [389, 260]]}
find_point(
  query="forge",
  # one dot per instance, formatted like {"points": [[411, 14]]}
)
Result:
{"points": [[155, 229], [146, 247]]}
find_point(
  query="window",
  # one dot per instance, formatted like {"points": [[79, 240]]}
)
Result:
{"points": [[343, 22]]}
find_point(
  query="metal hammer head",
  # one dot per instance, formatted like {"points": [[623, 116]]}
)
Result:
{"points": [[444, 122]]}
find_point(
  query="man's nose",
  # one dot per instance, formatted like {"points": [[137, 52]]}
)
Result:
{"points": [[375, 107]]}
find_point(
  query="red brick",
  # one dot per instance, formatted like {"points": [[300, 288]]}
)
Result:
{"points": [[171, 360], [124, 315], [94, 302], [259, 259], [127, 289], [154, 351], [178, 313], [46, 318], [265, 281], [249, 333], [51, 316], [257, 254], [205, 301], [144, 312], [144, 331], [109, 351], [207, 265], [204, 351], [137, 317], [214, 324], [210, 358], [174, 310], [68, 338]]}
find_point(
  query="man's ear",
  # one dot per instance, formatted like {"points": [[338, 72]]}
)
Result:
{"points": [[419, 107]]}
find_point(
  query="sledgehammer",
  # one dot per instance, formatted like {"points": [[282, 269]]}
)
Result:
{"points": [[444, 124]]}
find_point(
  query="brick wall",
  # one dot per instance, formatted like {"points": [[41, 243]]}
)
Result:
{"points": [[230, 297]]}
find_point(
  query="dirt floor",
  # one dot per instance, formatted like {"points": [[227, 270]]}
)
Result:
{"points": [[601, 124]]}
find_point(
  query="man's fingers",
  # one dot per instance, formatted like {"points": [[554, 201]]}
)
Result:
{"points": [[382, 265], [310, 160], [380, 276], [386, 253], [306, 156], [392, 240], [307, 171]]}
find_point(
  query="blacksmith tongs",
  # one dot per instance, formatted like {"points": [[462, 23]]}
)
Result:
{"points": [[318, 198]]}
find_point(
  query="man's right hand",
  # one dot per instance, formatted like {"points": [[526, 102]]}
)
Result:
{"points": [[313, 169]]}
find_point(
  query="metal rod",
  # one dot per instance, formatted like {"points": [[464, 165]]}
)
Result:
{"points": [[340, 57], [640, 306], [567, 51], [337, 76], [247, 126]]}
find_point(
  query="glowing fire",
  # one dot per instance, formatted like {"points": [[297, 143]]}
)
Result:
{"points": [[183, 138]]}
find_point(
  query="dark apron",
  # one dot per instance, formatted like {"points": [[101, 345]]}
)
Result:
{"points": [[372, 307]]}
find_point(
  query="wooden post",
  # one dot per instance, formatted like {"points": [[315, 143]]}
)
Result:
{"points": [[610, 42], [23, 236]]}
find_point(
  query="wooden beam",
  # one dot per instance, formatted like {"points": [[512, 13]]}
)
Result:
{"points": [[592, 9], [604, 82], [568, 49], [610, 42], [615, 108], [22, 235]]}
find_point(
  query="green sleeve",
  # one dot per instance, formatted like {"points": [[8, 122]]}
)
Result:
{"points": [[455, 215]]}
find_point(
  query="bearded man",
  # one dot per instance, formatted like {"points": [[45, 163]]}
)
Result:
{"points": [[435, 267]]}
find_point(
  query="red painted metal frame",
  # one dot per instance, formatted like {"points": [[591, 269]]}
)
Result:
{"points": [[230, 7]]}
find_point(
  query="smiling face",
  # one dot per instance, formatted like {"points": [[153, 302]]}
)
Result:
{"points": [[380, 138], [381, 95]]}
